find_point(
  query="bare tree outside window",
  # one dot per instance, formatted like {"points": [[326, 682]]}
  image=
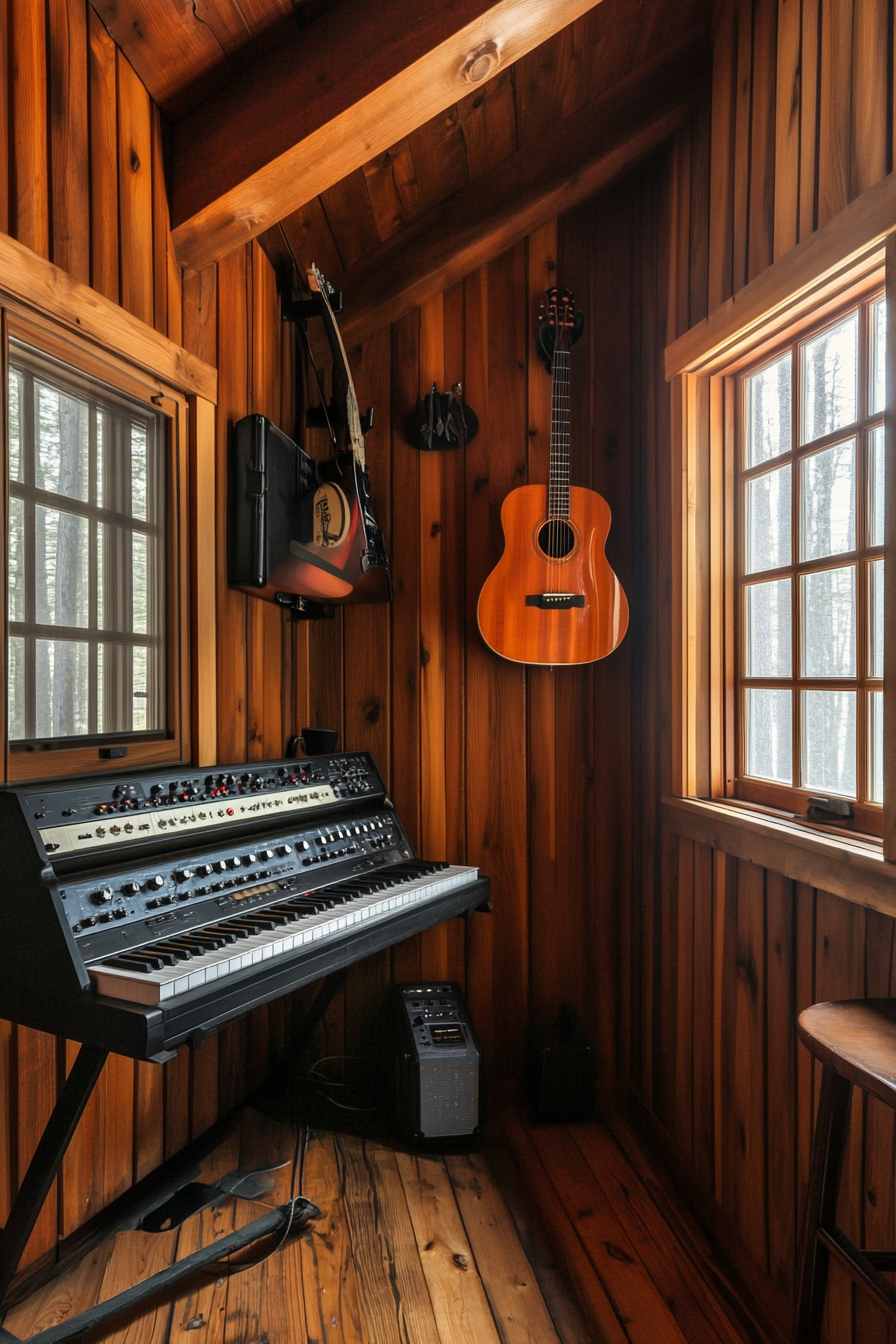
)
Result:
{"points": [[86, 556]]}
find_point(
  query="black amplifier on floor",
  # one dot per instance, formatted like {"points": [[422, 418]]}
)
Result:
{"points": [[436, 1062]]}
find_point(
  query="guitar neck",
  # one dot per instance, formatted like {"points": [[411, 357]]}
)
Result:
{"points": [[334, 338], [558, 479]]}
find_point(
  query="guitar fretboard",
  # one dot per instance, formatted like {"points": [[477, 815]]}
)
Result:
{"points": [[558, 480]]}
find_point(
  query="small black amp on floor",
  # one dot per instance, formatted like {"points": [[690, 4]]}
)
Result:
{"points": [[436, 1062]]}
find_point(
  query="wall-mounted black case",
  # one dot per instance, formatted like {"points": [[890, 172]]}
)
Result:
{"points": [[270, 496]]}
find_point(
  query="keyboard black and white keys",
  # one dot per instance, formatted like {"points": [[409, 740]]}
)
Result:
{"points": [[214, 952], [139, 912]]}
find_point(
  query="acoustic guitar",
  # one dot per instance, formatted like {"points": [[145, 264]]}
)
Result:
{"points": [[345, 560], [552, 598]]}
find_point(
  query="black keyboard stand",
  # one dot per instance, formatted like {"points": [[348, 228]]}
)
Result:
{"points": [[148, 1194]]}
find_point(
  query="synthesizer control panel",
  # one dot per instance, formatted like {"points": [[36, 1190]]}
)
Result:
{"points": [[140, 903], [115, 813]]}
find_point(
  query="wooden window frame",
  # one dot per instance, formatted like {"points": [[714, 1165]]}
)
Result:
{"points": [[793, 798], [844, 260], [42, 307]]}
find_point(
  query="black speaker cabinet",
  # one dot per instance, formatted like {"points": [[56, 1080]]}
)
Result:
{"points": [[436, 1062]]}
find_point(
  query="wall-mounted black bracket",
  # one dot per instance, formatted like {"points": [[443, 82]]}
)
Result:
{"points": [[299, 310], [305, 608], [547, 335], [441, 420], [320, 417]]}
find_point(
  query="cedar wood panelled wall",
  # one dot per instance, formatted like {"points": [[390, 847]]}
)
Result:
{"points": [[523, 773], [800, 124]]}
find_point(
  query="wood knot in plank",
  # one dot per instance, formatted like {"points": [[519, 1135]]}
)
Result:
{"points": [[372, 711], [460, 1261], [617, 1253], [135, 161], [435, 529]]}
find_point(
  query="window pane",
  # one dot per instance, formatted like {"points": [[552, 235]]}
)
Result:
{"points": [[829, 623], [876, 742], [878, 355], [140, 692], [60, 558], [15, 424], [829, 741], [769, 735], [876, 600], [61, 685], [768, 520], [16, 700], [138, 471], [876, 480], [768, 629], [16, 605], [61, 435], [830, 379], [828, 502], [140, 549], [768, 412]]}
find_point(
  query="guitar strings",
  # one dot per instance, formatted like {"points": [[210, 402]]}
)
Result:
{"points": [[558, 488]]}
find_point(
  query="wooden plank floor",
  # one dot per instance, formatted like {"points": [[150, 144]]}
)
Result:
{"points": [[414, 1249], [409, 1249], [643, 1270]]}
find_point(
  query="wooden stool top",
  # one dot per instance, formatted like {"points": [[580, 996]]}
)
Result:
{"points": [[857, 1037]]}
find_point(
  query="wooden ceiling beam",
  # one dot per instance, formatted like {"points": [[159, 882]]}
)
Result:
{"points": [[331, 97], [567, 165]]}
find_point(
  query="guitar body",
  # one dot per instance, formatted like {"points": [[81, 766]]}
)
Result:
{"points": [[553, 608], [345, 561]]}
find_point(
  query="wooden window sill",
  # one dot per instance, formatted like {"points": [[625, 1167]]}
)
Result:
{"points": [[847, 865]]}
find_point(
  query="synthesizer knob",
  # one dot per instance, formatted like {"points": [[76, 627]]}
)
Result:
{"points": [[235, 862], [102, 896], [131, 888], [183, 874], [284, 849], [250, 858], [153, 883], [220, 865], [265, 854], [203, 869]]}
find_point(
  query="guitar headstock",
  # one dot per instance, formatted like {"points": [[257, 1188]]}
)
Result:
{"points": [[560, 324], [561, 310], [319, 284]]}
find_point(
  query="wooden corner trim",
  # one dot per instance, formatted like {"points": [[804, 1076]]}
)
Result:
{"points": [[35, 282]]}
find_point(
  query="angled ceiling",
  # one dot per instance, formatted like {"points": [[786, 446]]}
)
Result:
{"points": [[399, 145]]}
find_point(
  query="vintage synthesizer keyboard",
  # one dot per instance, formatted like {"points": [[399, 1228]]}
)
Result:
{"points": [[141, 911]]}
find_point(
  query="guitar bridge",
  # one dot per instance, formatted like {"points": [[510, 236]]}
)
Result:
{"points": [[555, 601]]}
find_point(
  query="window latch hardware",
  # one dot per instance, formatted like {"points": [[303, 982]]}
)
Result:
{"points": [[826, 809]]}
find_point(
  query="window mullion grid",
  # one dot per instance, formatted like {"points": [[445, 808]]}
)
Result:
{"points": [[796, 604], [27, 456], [92, 575]]}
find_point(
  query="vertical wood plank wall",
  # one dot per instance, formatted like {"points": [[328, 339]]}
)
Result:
{"points": [[800, 123], [527, 774]]}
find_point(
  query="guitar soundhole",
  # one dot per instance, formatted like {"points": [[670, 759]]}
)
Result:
{"points": [[556, 538]]}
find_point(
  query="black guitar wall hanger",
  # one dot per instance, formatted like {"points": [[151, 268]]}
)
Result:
{"points": [[547, 333], [441, 420]]}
